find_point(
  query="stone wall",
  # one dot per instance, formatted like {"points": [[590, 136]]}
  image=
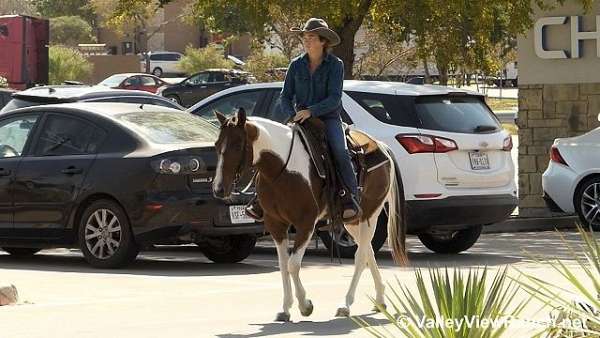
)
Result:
{"points": [[547, 112]]}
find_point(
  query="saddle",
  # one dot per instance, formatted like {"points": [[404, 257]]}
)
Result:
{"points": [[364, 153]]}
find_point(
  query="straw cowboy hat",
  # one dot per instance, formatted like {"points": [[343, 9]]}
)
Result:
{"points": [[320, 27]]}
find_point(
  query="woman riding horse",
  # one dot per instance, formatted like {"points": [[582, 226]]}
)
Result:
{"points": [[314, 82]]}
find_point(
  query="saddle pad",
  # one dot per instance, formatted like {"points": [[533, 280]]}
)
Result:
{"points": [[362, 140], [314, 150]]}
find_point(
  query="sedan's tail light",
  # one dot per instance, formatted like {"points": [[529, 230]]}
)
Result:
{"points": [[415, 144], [555, 156], [179, 165], [507, 145]]}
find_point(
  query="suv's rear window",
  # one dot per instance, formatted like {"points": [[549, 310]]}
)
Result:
{"points": [[391, 109], [170, 127], [457, 114]]}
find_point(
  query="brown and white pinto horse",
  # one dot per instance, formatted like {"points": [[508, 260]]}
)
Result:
{"points": [[293, 194]]}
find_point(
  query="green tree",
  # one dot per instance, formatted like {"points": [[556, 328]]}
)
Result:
{"points": [[67, 64], [23, 7], [263, 64], [70, 31], [57, 8], [199, 59]]}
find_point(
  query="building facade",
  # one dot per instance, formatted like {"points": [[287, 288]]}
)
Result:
{"points": [[559, 90]]}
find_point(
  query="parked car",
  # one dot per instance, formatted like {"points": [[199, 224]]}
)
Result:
{"points": [[571, 183], [64, 94], [134, 81], [161, 63], [452, 155], [5, 96], [204, 84], [110, 178]]}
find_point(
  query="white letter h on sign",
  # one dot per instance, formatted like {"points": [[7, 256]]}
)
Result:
{"points": [[578, 36]]}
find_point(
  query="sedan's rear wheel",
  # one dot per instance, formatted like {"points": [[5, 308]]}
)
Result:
{"points": [[587, 203], [105, 237]]}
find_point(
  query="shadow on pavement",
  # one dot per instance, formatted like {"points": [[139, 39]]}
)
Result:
{"points": [[148, 263], [338, 326]]}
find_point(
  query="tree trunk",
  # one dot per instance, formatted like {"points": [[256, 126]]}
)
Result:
{"points": [[443, 71], [427, 74]]}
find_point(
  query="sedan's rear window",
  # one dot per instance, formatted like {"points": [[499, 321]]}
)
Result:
{"points": [[169, 127], [18, 103], [457, 114]]}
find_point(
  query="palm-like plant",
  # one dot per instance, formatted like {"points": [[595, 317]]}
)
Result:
{"points": [[575, 310], [457, 306]]}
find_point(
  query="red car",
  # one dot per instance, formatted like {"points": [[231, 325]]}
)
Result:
{"points": [[134, 81]]}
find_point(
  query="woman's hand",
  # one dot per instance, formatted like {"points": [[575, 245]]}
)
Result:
{"points": [[302, 115]]}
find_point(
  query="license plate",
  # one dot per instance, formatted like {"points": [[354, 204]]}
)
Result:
{"points": [[237, 213], [479, 161]]}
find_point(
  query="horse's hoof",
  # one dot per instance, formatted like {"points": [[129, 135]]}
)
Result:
{"points": [[283, 317], [343, 312], [376, 308], [308, 310]]}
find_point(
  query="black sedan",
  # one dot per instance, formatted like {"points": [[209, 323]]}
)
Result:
{"points": [[204, 84], [111, 178]]}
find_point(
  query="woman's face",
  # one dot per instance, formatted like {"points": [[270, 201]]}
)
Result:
{"points": [[312, 43]]}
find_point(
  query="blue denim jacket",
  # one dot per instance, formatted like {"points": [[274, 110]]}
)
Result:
{"points": [[320, 93]]}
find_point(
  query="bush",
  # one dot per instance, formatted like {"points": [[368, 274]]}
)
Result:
{"points": [[263, 65], [70, 31], [67, 64], [199, 59]]}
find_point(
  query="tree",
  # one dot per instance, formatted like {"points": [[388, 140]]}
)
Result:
{"points": [[263, 64], [70, 31], [22, 7], [58, 8], [67, 64], [199, 59]]}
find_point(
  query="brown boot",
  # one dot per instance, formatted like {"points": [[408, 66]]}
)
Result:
{"points": [[254, 210], [351, 210]]}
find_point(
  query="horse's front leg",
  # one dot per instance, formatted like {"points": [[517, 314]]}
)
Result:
{"points": [[279, 233], [303, 236]]}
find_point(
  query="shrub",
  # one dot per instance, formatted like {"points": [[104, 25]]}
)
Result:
{"points": [[67, 64], [199, 59]]}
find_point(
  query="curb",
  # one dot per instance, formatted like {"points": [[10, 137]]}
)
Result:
{"points": [[522, 224]]}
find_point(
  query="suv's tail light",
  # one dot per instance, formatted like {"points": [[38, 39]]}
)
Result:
{"points": [[415, 144], [507, 145], [555, 156]]}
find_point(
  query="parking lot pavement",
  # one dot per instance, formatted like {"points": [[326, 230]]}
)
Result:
{"points": [[176, 292]]}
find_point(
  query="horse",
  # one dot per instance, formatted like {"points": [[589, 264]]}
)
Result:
{"points": [[291, 193]]}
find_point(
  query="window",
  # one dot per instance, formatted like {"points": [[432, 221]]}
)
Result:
{"points": [[13, 135], [169, 128], [19, 103], [457, 114], [172, 57], [391, 109], [113, 81], [276, 113], [229, 105], [140, 100], [148, 81], [217, 77], [198, 79], [63, 135], [132, 81]]}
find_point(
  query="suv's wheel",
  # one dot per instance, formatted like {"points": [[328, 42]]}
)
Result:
{"points": [[105, 236], [587, 202], [174, 98], [21, 252], [228, 249], [345, 243], [451, 242], [157, 72]]}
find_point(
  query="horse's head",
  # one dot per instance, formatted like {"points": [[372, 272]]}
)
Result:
{"points": [[234, 152]]}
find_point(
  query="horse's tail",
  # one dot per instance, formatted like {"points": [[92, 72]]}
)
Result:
{"points": [[396, 230]]}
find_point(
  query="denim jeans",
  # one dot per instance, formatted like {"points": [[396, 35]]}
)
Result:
{"points": [[339, 151]]}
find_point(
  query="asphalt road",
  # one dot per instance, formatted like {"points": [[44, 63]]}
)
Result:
{"points": [[177, 292]]}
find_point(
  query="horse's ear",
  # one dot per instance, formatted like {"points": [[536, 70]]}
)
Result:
{"points": [[222, 119], [241, 117]]}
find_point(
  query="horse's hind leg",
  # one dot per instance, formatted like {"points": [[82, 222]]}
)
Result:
{"points": [[279, 233], [303, 235]]}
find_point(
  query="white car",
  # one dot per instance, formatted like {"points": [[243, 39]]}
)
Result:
{"points": [[162, 63], [571, 182], [452, 154]]}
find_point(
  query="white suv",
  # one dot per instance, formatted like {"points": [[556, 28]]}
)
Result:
{"points": [[451, 152], [162, 63]]}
